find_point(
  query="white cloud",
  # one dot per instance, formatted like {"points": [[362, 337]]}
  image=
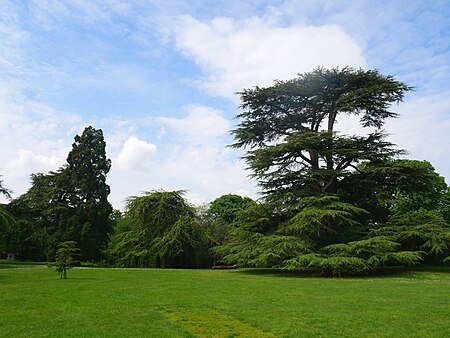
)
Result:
{"points": [[56, 55], [27, 160], [423, 129], [239, 54], [136, 155], [34, 137], [201, 125], [206, 172], [195, 159]]}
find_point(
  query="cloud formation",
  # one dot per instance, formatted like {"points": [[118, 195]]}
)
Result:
{"points": [[237, 54], [201, 125], [136, 155], [423, 129], [160, 81], [196, 159]]}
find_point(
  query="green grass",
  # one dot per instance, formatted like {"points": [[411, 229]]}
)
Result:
{"points": [[98, 302]]}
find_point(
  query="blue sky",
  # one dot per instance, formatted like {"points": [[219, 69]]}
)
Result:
{"points": [[159, 77]]}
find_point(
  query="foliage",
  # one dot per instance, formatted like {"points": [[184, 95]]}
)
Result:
{"points": [[220, 217], [41, 215], [252, 241], [6, 220], [319, 236], [227, 207], [253, 249], [316, 179], [394, 187], [156, 211], [7, 223], [87, 167], [5, 217], [185, 242], [65, 257], [289, 128], [69, 204], [354, 257], [325, 219], [161, 231], [421, 230]]}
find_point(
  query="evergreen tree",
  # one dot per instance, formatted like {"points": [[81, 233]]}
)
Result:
{"points": [[159, 229], [303, 166], [69, 204], [87, 167], [290, 129], [66, 258]]}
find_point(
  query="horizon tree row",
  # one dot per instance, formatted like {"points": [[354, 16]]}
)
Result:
{"points": [[339, 204]]}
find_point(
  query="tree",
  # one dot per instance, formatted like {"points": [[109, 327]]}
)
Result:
{"points": [[223, 214], [159, 229], [69, 204], [394, 187], [7, 223], [227, 207], [42, 215], [290, 129], [184, 244], [87, 167], [66, 258], [3, 190], [420, 230], [304, 165]]}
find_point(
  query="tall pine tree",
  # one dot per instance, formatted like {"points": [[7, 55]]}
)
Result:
{"points": [[87, 167]]}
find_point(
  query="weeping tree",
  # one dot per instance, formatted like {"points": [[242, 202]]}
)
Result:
{"points": [[184, 245], [160, 230], [303, 164]]}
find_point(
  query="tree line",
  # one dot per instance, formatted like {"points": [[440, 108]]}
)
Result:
{"points": [[334, 203]]}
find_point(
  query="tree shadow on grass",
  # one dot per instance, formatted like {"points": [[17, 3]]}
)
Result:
{"points": [[279, 273], [5, 264], [385, 272], [79, 278]]}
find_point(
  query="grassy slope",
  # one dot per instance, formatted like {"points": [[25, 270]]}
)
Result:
{"points": [[253, 303]]}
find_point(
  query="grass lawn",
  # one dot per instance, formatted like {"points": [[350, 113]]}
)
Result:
{"points": [[98, 302]]}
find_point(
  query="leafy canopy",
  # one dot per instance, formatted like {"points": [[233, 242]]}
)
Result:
{"points": [[304, 166], [289, 128]]}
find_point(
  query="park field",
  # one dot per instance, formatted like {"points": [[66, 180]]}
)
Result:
{"points": [[98, 302]]}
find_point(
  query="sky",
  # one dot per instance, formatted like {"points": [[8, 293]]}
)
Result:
{"points": [[160, 79]]}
